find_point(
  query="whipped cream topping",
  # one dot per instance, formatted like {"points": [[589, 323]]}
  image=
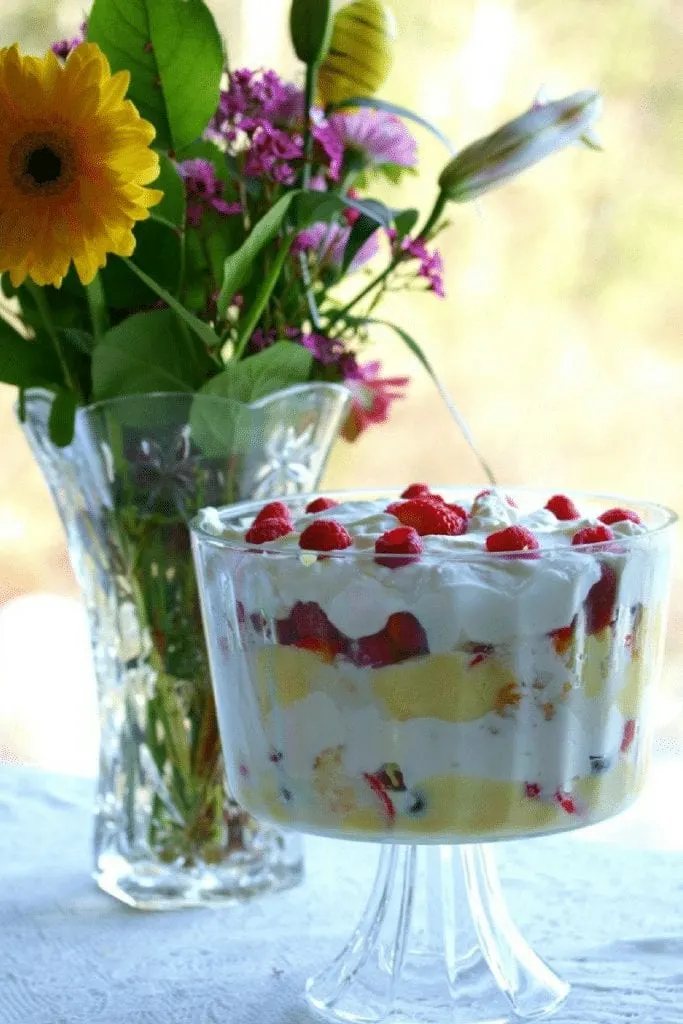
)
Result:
{"points": [[458, 591]]}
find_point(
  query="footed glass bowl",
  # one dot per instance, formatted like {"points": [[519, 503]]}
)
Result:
{"points": [[432, 703]]}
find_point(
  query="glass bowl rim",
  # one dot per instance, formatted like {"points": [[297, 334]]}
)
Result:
{"points": [[247, 508]]}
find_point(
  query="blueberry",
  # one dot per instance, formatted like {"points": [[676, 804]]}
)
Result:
{"points": [[286, 794], [417, 804], [599, 764]]}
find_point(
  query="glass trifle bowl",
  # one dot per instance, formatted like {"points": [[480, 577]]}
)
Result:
{"points": [[435, 673]]}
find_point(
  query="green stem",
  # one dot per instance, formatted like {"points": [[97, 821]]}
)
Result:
{"points": [[97, 305], [43, 308], [341, 313], [309, 94], [439, 207]]}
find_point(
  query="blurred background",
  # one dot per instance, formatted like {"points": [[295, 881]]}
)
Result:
{"points": [[559, 337]]}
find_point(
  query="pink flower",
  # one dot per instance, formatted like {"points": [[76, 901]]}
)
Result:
{"points": [[203, 191], [327, 242], [371, 396], [431, 263], [381, 138], [330, 148]]}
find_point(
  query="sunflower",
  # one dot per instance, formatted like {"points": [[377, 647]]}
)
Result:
{"points": [[74, 162]]}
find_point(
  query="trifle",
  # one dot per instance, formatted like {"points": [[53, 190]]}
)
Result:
{"points": [[431, 669], [436, 668]]}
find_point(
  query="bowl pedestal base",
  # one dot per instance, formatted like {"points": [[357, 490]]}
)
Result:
{"points": [[436, 945]]}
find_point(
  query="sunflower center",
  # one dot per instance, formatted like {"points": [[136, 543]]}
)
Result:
{"points": [[42, 163], [44, 166]]}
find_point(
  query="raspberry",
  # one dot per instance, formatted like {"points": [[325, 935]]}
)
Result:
{"points": [[458, 509], [484, 494], [381, 793], [561, 638], [532, 790], [479, 652], [285, 632], [404, 540], [373, 651], [562, 507], [407, 634], [309, 621], [619, 515], [416, 491], [325, 535], [600, 601], [628, 736], [321, 505], [273, 510], [429, 518], [592, 535], [566, 801], [267, 530], [512, 538]]}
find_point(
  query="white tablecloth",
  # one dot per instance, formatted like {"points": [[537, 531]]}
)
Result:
{"points": [[609, 918]]}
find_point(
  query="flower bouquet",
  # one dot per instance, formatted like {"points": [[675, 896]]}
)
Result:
{"points": [[177, 239]]}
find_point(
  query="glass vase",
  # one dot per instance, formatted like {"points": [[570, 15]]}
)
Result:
{"points": [[167, 832]]}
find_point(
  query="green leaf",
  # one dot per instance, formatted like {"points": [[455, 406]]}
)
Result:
{"points": [[393, 108], [147, 352], [259, 303], [362, 230], [27, 363], [158, 253], [239, 265], [171, 209], [310, 26], [409, 341], [314, 207], [82, 341], [372, 208], [202, 330], [405, 221], [282, 365], [441, 388], [174, 53], [62, 419]]}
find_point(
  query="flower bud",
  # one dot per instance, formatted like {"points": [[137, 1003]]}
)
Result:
{"points": [[310, 26], [519, 144], [361, 52]]}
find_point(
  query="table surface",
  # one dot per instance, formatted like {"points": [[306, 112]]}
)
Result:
{"points": [[607, 915]]}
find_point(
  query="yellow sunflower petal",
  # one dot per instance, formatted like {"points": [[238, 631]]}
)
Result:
{"points": [[74, 163]]}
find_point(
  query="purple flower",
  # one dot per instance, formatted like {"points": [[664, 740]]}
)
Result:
{"points": [[431, 263], [270, 152], [327, 242], [381, 138], [327, 351], [261, 339], [289, 107], [252, 95], [204, 191]]}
